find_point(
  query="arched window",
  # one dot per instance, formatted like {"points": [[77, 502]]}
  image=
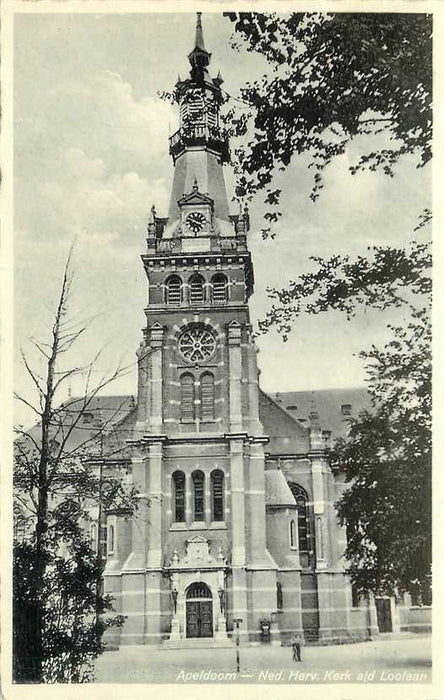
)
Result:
{"points": [[103, 544], [300, 497], [198, 590], [220, 289], [217, 495], [207, 396], [198, 495], [187, 397], [111, 539], [179, 496], [293, 540], [279, 596], [173, 290], [196, 289]]}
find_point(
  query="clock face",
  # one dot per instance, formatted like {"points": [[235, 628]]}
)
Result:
{"points": [[195, 221]]}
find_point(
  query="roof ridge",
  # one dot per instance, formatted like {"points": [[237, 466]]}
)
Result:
{"points": [[317, 391]]}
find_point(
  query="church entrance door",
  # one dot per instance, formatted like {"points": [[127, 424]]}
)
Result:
{"points": [[384, 614], [199, 611]]}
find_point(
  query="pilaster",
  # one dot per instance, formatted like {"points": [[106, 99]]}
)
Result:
{"points": [[156, 380], [237, 500], [155, 496], [319, 472], [253, 390], [235, 375], [137, 558], [239, 608], [143, 388], [256, 525], [325, 605]]}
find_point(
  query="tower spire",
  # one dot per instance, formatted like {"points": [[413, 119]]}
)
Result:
{"points": [[199, 42], [200, 146], [199, 57]]}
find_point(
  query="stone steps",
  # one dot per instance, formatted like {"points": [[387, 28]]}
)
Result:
{"points": [[204, 643]]}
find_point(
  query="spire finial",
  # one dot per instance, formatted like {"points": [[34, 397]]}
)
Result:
{"points": [[199, 57], [199, 42]]}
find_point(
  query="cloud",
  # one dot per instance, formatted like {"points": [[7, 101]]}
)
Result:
{"points": [[98, 113], [91, 157], [85, 198], [87, 161], [112, 123], [90, 161]]}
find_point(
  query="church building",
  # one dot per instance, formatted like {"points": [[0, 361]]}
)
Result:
{"points": [[236, 526]]}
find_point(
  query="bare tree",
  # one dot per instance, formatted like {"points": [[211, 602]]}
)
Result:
{"points": [[49, 462]]}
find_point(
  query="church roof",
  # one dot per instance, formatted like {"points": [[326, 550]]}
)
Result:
{"points": [[277, 491], [109, 414], [284, 416], [286, 434], [108, 409], [335, 406]]}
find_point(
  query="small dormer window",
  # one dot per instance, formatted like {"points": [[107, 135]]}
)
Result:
{"points": [[87, 417], [346, 409]]}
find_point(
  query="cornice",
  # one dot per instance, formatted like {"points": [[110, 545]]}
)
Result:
{"points": [[184, 259], [198, 439]]}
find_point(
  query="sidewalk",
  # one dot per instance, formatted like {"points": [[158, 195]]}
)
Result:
{"points": [[387, 660]]}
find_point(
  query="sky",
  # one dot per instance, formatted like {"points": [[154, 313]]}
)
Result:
{"points": [[91, 157]]}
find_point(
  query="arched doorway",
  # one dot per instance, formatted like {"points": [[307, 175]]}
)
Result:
{"points": [[199, 611]]}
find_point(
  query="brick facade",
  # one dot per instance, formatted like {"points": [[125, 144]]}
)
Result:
{"points": [[236, 516]]}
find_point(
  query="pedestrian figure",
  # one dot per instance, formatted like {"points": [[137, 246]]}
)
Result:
{"points": [[296, 643]]}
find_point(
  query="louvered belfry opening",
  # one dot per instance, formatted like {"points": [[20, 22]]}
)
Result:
{"points": [[220, 289], [207, 396], [198, 488], [179, 496], [196, 289], [174, 290], [187, 397], [217, 488]]}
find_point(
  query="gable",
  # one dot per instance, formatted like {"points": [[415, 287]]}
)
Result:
{"points": [[287, 435], [195, 198]]}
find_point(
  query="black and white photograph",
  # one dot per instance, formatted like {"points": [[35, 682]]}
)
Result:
{"points": [[219, 278]]}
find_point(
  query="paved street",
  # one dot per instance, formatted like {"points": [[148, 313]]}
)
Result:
{"points": [[390, 659]]}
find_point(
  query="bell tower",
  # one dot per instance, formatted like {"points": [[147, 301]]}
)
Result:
{"points": [[199, 147], [198, 443], [200, 278]]}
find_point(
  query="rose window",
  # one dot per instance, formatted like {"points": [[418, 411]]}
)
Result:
{"points": [[197, 344]]}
